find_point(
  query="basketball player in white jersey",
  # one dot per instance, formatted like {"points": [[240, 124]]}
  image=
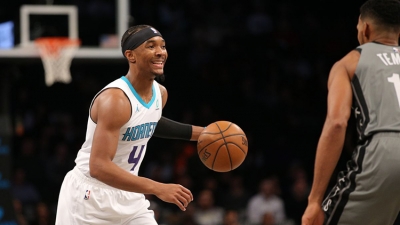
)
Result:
{"points": [[104, 187]]}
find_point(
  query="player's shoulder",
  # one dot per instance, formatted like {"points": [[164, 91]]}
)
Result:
{"points": [[115, 89], [113, 97], [352, 56], [163, 89], [111, 106], [369, 45], [112, 92], [349, 62]]}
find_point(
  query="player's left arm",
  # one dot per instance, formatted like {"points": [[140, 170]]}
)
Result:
{"points": [[332, 138], [170, 129]]}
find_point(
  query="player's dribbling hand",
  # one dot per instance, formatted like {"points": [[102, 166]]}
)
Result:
{"points": [[313, 215], [175, 193]]}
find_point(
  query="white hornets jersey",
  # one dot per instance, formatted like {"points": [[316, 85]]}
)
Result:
{"points": [[133, 136]]}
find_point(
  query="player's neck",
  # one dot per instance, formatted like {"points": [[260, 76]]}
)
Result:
{"points": [[142, 84], [386, 39]]}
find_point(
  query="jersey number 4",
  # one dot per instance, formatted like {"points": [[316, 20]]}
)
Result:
{"points": [[396, 81], [135, 155]]}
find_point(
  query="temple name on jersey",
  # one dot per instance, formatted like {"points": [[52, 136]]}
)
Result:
{"points": [[389, 60], [141, 131]]}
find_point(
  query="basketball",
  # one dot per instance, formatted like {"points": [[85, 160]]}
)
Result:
{"points": [[222, 146]]}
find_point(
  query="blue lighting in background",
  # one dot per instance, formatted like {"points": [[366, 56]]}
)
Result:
{"points": [[6, 35]]}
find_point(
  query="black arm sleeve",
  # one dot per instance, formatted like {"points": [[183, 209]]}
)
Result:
{"points": [[170, 129]]}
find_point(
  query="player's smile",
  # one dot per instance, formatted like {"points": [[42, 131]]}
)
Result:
{"points": [[159, 64]]}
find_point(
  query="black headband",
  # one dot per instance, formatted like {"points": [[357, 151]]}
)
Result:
{"points": [[136, 39]]}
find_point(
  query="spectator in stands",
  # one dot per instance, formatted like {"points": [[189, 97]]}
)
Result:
{"points": [[266, 201], [207, 213]]}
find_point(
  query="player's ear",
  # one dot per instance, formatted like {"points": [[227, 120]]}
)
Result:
{"points": [[367, 30], [130, 56]]}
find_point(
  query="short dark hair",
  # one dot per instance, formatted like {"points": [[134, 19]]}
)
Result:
{"points": [[132, 30], [385, 13]]}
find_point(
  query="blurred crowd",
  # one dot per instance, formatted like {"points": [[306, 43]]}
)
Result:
{"points": [[260, 64]]}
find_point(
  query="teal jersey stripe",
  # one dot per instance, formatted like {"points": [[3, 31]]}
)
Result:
{"points": [[147, 105]]}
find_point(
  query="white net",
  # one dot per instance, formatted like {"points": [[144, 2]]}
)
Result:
{"points": [[57, 54]]}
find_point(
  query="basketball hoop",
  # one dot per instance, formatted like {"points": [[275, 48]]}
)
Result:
{"points": [[56, 54]]}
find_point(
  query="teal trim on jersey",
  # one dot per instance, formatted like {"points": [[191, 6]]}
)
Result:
{"points": [[147, 105]]}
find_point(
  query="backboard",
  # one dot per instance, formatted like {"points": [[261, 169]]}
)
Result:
{"points": [[26, 49]]}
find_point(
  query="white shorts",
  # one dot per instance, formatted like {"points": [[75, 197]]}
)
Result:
{"points": [[85, 200]]}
